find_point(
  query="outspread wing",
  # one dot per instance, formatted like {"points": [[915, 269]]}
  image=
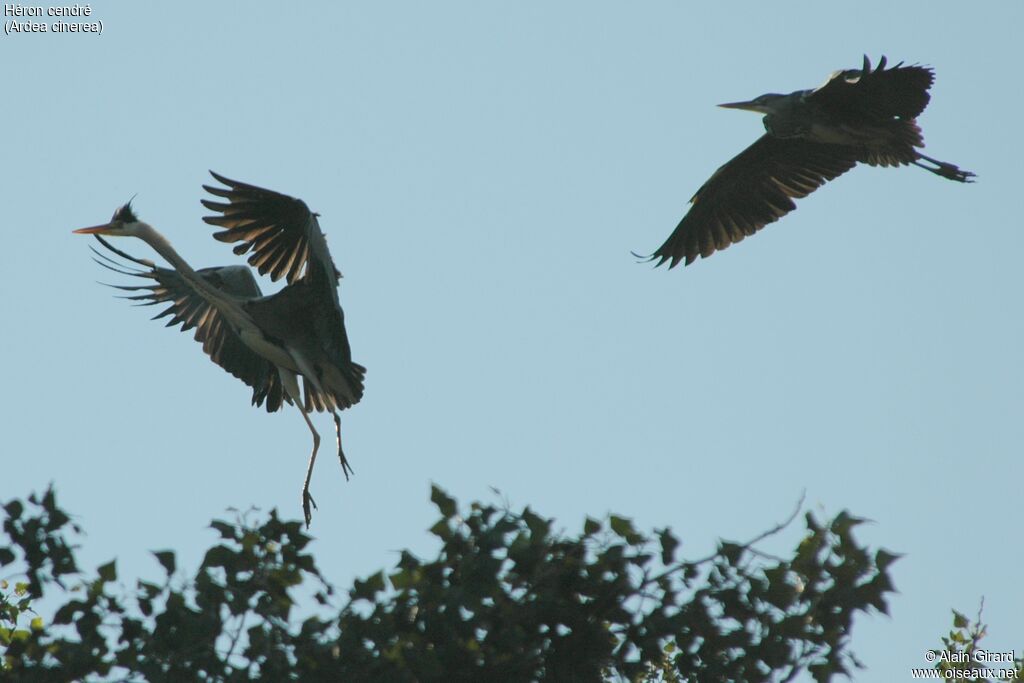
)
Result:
{"points": [[755, 188], [316, 324], [879, 93], [190, 310], [280, 231], [285, 240]]}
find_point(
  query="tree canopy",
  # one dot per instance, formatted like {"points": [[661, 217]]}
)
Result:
{"points": [[507, 598]]}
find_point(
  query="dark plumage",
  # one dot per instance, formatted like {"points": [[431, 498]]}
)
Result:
{"points": [[190, 310], [268, 342], [859, 115]]}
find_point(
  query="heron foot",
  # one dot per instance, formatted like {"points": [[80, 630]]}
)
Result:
{"points": [[346, 468], [954, 173], [307, 498], [945, 169]]}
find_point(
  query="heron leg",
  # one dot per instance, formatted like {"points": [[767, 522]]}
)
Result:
{"points": [[307, 497], [944, 169], [291, 384], [345, 467], [309, 376]]}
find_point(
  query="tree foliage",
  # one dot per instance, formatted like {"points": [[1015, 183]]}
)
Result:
{"points": [[506, 598], [962, 657]]}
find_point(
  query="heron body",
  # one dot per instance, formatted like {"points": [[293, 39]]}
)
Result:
{"points": [[812, 136], [268, 342]]}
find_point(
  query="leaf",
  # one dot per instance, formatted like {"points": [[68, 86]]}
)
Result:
{"points": [[441, 530], [445, 503], [621, 526], [166, 560], [14, 509], [19, 635], [377, 582], [67, 612], [219, 556], [883, 559], [369, 588], [959, 620], [669, 543], [150, 589], [591, 526], [57, 519], [539, 527], [843, 522], [518, 545], [731, 552], [108, 571], [812, 523], [402, 579], [408, 561], [225, 529]]}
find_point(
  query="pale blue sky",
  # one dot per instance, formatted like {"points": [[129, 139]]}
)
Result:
{"points": [[483, 170]]}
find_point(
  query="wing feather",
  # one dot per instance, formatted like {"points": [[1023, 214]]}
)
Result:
{"points": [[188, 309], [879, 93], [755, 188], [267, 223]]}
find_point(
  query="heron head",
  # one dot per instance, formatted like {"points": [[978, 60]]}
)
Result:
{"points": [[123, 222], [765, 104]]}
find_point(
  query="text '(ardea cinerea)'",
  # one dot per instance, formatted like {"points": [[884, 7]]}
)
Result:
{"points": [[268, 342], [859, 115]]}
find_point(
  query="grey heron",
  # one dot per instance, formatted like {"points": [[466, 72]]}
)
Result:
{"points": [[812, 136], [268, 342]]}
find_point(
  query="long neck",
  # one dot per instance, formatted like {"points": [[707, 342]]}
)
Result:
{"points": [[219, 299], [790, 117]]}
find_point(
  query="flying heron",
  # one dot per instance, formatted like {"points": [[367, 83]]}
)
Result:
{"points": [[858, 115], [268, 342]]}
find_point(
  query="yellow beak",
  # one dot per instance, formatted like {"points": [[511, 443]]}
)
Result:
{"points": [[105, 229]]}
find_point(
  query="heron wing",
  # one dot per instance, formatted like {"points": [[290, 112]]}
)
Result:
{"points": [[755, 188], [316, 325], [285, 239], [320, 401], [879, 94], [279, 230], [191, 310]]}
